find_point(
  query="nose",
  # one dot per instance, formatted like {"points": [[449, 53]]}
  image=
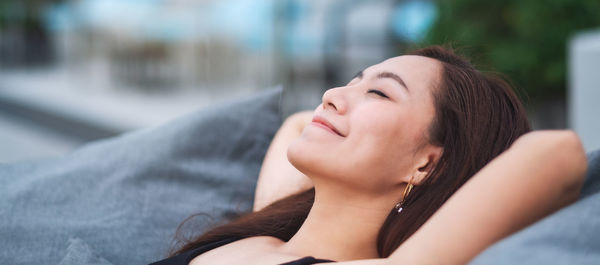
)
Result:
{"points": [[334, 99]]}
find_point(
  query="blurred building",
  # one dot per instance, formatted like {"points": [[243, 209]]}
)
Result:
{"points": [[94, 68]]}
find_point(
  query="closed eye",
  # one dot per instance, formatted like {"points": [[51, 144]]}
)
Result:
{"points": [[379, 93]]}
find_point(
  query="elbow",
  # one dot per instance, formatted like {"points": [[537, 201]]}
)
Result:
{"points": [[573, 161]]}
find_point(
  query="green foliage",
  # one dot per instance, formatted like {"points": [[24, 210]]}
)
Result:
{"points": [[524, 39]]}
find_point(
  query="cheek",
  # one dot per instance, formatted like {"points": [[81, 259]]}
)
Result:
{"points": [[380, 155], [387, 142], [389, 129]]}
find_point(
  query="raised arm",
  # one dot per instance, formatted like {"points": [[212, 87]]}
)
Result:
{"points": [[539, 174], [278, 178]]}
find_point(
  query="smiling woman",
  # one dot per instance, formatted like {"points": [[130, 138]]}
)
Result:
{"points": [[405, 134], [383, 135]]}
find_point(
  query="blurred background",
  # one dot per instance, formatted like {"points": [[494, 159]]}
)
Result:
{"points": [[73, 71]]}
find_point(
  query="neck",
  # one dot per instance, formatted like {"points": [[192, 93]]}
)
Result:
{"points": [[341, 227]]}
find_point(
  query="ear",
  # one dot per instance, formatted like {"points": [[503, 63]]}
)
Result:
{"points": [[425, 162]]}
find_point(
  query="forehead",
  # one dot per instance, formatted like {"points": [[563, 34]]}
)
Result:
{"points": [[416, 71]]}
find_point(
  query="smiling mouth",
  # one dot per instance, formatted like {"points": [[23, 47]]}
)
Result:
{"points": [[322, 123]]}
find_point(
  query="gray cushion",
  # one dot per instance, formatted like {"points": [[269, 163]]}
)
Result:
{"points": [[569, 236], [119, 201], [592, 178]]}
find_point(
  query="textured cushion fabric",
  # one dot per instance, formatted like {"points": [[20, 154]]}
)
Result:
{"points": [[569, 236], [592, 178], [119, 201]]}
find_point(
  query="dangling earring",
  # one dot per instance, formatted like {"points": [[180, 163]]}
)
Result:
{"points": [[407, 190]]}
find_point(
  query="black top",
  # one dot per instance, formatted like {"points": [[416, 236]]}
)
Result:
{"points": [[186, 257]]}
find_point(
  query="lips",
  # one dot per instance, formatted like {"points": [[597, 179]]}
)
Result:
{"points": [[322, 122]]}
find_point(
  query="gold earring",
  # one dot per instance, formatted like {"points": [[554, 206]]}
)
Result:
{"points": [[407, 190]]}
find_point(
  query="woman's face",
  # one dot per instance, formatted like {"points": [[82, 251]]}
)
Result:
{"points": [[371, 133]]}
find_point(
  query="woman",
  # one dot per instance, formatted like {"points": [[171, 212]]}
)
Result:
{"points": [[384, 153]]}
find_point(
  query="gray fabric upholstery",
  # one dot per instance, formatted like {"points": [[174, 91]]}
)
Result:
{"points": [[569, 236], [592, 178], [119, 201]]}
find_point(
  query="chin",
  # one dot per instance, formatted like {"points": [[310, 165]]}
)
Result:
{"points": [[307, 158], [317, 160], [315, 163], [298, 155]]}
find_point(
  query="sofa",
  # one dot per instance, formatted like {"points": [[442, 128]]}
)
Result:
{"points": [[120, 200]]}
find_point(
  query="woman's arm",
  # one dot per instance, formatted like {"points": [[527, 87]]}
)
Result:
{"points": [[540, 173], [278, 178]]}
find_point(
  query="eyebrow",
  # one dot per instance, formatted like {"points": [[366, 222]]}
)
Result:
{"points": [[391, 75]]}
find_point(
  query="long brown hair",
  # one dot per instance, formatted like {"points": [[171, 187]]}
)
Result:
{"points": [[477, 117]]}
